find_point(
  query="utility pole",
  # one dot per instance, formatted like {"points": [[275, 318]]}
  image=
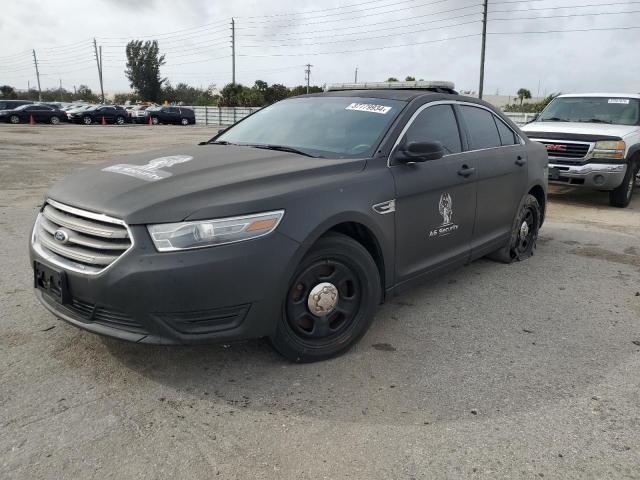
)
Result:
{"points": [[60, 89], [356, 78], [99, 63], [307, 74], [233, 51], [35, 62], [484, 43]]}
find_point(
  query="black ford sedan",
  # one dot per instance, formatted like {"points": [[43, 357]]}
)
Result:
{"points": [[38, 112]]}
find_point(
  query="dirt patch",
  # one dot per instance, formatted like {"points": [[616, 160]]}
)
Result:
{"points": [[608, 255]]}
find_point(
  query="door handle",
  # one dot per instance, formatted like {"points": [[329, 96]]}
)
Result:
{"points": [[520, 161], [466, 171]]}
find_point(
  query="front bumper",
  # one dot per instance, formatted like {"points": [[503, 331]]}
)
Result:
{"points": [[602, 176], [211, 295]]}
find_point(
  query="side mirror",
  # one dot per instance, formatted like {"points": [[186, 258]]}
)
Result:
{"points": [[419, 152]]}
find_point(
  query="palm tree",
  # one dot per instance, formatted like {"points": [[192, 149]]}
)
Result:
{"points": [[523, 94]]}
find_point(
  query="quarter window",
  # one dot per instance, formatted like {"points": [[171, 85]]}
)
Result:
{"points": [[507, 137], [437, 123], [483, 132]]}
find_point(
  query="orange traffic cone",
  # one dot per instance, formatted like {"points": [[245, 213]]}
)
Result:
{"points": [[31, 120], [103, 122], [150, 122]]}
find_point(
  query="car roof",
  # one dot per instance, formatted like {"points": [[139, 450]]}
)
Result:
{"points": [[608, 95], [404, 95]]}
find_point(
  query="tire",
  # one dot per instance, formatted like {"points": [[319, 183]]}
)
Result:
{"points": [[302, 336], [120, 120], [522, 241], [55, 120], [184, 121], [155, 121], [621, 196], [15, 119], [87, 120]]}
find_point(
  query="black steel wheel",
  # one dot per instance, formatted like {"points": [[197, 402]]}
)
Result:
{"points": [[524, 233], [330, 302]]}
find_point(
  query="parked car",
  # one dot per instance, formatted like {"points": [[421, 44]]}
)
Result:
{"points": [[593, 141], [11, 104], [95, 114], [172, 115], [138, 114], [293, 224], [39, 112]]}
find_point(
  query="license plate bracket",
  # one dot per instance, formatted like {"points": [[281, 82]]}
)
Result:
{"points": [[554, 173], [51, 281]]}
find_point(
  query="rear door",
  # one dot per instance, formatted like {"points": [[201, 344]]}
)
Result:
{"points": [[502, 175], [172, 114], [435, 200]]}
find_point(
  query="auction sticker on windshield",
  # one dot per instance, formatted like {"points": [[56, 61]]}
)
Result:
{"points": [[624, 101], [368, 107]]}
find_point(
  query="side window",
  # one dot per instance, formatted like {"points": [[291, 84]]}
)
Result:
{"points": [[507, 137], [482, 128], [437, 123]]}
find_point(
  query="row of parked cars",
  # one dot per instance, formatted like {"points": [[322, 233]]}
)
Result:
{"points": [[23, 111]]}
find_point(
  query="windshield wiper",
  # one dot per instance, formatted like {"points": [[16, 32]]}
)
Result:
{"points": [[595, 120], [554, 119], [220, 142], [283, 148]]}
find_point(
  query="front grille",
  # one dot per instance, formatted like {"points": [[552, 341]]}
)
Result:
{"points": [[104, 316], [566, 150], [80, 240]]}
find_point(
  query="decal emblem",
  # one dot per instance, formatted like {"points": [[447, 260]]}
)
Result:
{"points": [[445, 207], [151, 172], [61, 236]]}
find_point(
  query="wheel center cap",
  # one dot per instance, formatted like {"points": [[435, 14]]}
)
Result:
{"points": [[524, 230], [323, 299]]}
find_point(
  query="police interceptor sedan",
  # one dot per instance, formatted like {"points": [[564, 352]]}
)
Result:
{"points": [[294, 224]]}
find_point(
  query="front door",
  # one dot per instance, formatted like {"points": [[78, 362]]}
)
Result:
{"points": [[435, 200]]}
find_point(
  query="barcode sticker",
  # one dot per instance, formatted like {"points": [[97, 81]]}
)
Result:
{"points": [[624, 101], [368, 107]]}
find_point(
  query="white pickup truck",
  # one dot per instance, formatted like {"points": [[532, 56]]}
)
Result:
{"points": [[593, 141]]}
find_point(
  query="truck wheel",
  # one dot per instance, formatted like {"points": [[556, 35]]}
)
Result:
{"points": [[524, 233], [621, 196], [331, 300]]}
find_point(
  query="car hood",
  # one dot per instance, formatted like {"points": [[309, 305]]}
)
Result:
{"points": [[579, 128], [198, 182]]}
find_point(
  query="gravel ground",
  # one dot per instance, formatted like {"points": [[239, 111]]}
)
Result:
{"points": [[494, 371]]}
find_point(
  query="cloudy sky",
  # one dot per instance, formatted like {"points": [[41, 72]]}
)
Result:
{"points": [[430, 39]]}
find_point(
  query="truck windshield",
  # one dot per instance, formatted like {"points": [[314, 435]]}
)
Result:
{"points": [[332, 127], [612, 110]]}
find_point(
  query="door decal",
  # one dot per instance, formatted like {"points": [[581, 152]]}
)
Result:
{"points": [[445, 207]]}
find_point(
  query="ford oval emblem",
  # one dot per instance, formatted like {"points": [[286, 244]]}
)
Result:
{"points": [[61, 236]]}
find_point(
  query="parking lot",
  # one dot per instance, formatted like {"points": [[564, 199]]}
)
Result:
{"points": [[527, 370]]}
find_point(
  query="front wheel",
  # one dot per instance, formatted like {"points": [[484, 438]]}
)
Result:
{"points": [[621, 196], [155, 120], [87, 120], [120, 120], [524, 233], [55, 120], [14, 119], [184, 121], [330, 302]]}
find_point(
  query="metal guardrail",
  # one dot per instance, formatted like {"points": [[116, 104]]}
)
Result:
{"points": [[221, 115], [231, 115]]}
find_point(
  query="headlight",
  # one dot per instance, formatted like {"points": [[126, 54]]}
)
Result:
{"points": [[168, 237], [609, 149]]}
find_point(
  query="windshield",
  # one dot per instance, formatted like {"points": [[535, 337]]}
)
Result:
{"points": [[333, 127], [619, 111]]}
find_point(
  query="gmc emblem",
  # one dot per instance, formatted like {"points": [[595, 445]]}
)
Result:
{"points": [[556, 148]]}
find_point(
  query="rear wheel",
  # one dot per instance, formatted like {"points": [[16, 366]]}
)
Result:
{"points": [[14, 119], [120, 120], [55, 120], [331, 300], [621, 196], [155, 120], [524, 233], [87, 120], [184, 121]]}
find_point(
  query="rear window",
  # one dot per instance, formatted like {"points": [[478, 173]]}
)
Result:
{"points": [[482, 128]]}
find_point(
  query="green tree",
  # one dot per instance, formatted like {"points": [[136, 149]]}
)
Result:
{"points": [[302, 90], [392, 79], [531, 107], [409, 78], [523, 94], [8, 91], [143, 69], [84, 93]]}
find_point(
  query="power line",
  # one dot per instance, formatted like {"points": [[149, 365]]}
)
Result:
{"points": [[566, 31], [566, 16], [598, 5]]}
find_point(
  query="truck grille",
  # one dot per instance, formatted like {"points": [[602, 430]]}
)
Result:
{"points": [[566, 150], [79, 240]]}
